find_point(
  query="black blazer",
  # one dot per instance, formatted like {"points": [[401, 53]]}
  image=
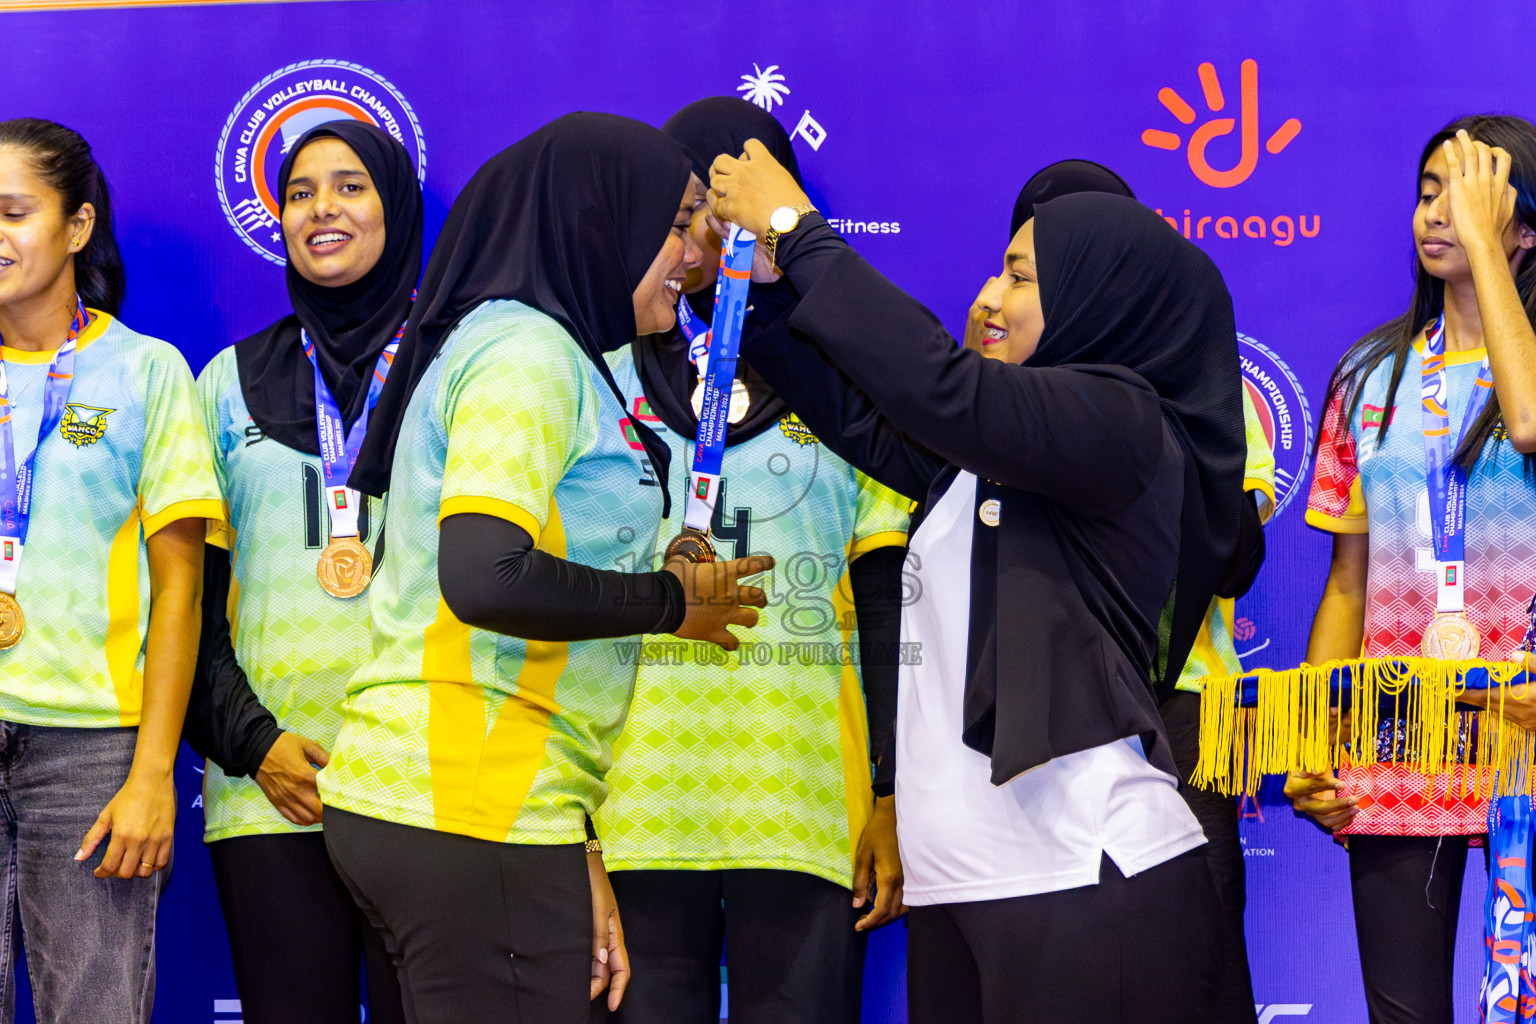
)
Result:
{"points": [[1067, 590]]}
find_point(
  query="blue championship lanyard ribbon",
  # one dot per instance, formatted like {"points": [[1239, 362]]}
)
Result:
{"points": [[717, 365], [1451, 635], [1507, 995], [16, 479], [339, 446], [345, 566]]}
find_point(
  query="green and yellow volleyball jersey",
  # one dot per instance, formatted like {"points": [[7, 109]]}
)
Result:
{"points": [[129, 458], [758, 758], [1214, 652], [297, 644], [468, 731]]}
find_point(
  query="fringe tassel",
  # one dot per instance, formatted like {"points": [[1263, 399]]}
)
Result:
{"points": [[1293, 725]]}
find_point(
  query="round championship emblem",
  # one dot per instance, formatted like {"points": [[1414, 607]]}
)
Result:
{"points": [[12, 622], [269, 119], [345, 567], [691, 546], [1451, 637], [1282, 408], [991, 512]]}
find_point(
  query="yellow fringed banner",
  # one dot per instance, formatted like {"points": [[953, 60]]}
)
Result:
{"points": [[1288, 722]]}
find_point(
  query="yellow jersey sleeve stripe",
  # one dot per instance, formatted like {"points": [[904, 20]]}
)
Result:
{"points": [[1334, 524], [884, 539], [490, 507], [196, 508], [220, 533]]}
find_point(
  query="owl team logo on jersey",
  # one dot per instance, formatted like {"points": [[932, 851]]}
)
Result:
{"points": [[1282, 407], [797, 431], [83, 424], [270, 118]]}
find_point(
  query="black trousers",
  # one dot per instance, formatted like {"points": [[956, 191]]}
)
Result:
{"points": [[1218, 817], [1126, 951], [1407, 894], [792, 954], [298, 941], [480, 931]]}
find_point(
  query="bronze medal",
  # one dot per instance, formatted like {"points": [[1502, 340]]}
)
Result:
{"points": [[345, 567], [1451, 637], [12, 622], [691, 546]]}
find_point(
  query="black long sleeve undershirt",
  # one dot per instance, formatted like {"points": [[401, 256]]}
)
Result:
{"points": [[875, 579], [226, 722], [492, 577]]}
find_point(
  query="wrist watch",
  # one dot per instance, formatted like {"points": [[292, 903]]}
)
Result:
{"points": [[781, 222]]}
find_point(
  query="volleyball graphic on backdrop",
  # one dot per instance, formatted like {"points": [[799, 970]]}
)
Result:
{"points": [[271, 117]]}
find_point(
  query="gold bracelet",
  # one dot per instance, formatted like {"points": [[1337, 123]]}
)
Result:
{"points": [[593, 846]]}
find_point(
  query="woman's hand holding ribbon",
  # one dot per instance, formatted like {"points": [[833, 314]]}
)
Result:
{"points": [[746, 190]]}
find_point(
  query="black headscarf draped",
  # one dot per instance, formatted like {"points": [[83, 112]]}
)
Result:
{"points": [[1064, 178], [349, 325], [567, 221], [707, 128], [723, 124], [1118, 286]]}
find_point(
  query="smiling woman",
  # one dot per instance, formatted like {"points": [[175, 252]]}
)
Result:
{"points": [[494, 677], [352, 221], [333, 219], [98, 722]]}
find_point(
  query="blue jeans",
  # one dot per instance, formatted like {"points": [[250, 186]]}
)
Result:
{"points": [[90, 941]]}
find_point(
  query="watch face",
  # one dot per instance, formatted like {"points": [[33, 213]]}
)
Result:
{"points": [[783, 219]]}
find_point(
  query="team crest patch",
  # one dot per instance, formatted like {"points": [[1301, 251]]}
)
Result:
{"points": [[83, 424], [269, 119], [797, 431]]}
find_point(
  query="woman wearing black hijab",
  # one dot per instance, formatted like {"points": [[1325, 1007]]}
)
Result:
{"points": [[783, 833], [1090, 455], [523, 494], [1062, 178], [266, 704], [1181, 710]]}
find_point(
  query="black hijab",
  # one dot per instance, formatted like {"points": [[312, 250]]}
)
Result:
{"points": [[567, 221], [1118, 286], [707, 128], [723, 124], [1064, 178], [349, 325]]}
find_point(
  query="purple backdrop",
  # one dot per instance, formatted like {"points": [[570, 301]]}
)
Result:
{"points": [[916, 125]]}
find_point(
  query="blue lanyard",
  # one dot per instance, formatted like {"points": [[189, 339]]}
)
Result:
{"points": [[1448, 481], [338, 446], [696, 333], [16, 480], [721, 347]]}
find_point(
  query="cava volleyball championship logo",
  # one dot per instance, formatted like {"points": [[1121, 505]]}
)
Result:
{"points": [[1282, 408], [270, 118]]}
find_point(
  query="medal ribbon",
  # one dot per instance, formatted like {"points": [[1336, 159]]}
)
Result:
{"points": [[1447, 481], [338, 446], [16, 480], [1507, 995], [718, 368], [696, 333]]}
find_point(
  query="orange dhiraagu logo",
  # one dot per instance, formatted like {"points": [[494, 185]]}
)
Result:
{"points": [[1216, 127]]}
